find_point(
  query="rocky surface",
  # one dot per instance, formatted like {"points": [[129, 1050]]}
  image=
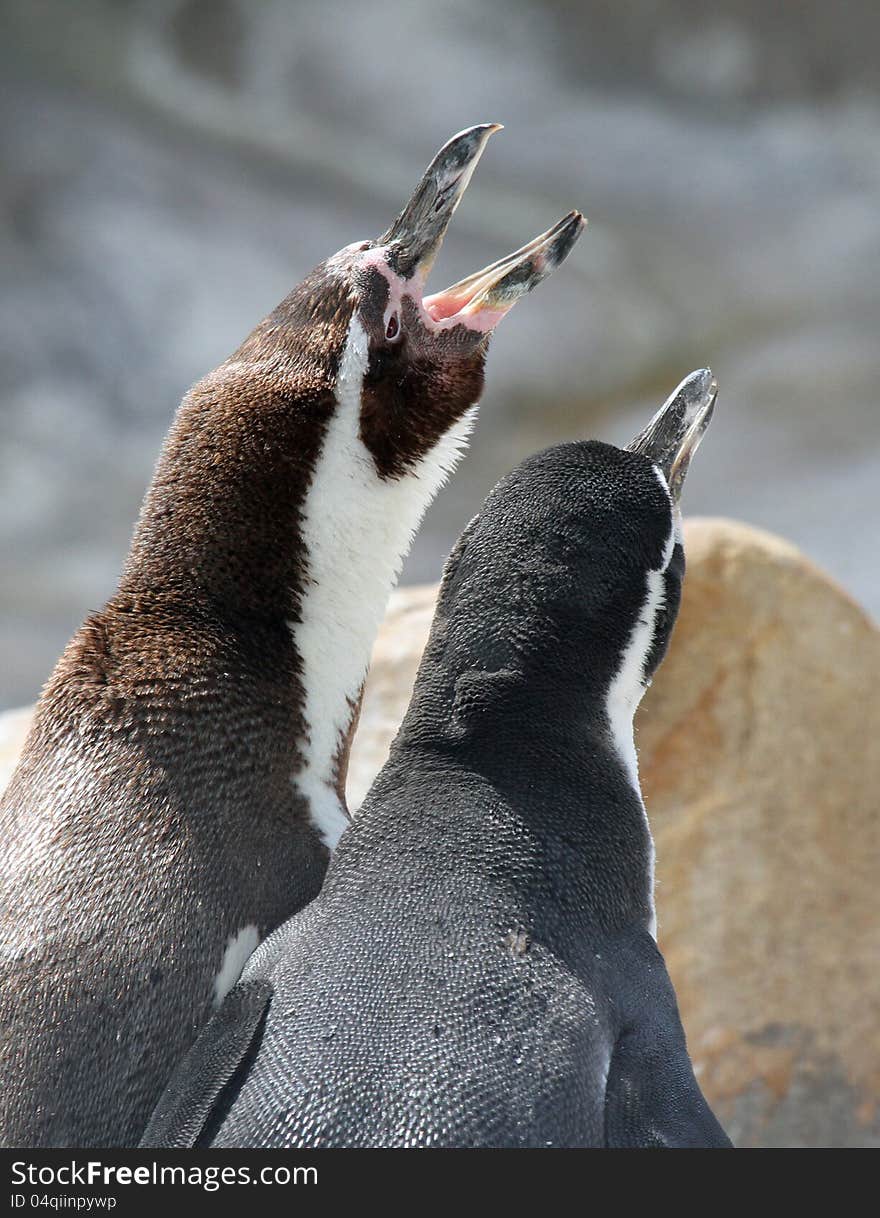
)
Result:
{"points": [[171, 168], [396, 657], [759, 748]]}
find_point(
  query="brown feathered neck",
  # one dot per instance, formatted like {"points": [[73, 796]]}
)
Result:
{"points": [[220, 521]]}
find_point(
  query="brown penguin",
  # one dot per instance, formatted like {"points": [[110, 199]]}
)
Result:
{"points": [[181, 788]]}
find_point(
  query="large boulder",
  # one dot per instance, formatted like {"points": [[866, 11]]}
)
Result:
{"points": [[759, 748]]}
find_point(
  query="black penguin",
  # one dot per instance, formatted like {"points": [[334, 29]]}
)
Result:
{"points": [[182, 785], [479, 969]]}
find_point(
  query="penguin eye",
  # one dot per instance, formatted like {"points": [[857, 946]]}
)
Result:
{"points": [[392, 330]]}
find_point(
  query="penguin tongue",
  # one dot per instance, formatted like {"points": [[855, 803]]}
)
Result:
{"points": [[480, 300]]}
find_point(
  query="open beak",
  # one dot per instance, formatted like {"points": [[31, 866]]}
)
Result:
{"points": [[674, 434], [479, 301]]}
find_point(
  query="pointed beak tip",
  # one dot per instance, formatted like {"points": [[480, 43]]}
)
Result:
{"points": [[479, 135], [694, 397], [707, 380], [702, 381], [466, 147], [572, 227], [472, 139]]}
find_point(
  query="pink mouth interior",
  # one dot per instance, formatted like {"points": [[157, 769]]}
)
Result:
{"points": [[442, 305], [448, 309]]}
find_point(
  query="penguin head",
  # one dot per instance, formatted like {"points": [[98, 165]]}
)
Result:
{"points": [[426, 353], [564, 590], [362, 317]]}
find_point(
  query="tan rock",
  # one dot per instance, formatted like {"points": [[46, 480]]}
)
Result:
{"points": [[395, 662], [759, 749]]}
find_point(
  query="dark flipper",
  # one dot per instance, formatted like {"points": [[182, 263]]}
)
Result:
{"points": [[651, 1095], [198, 1085]]}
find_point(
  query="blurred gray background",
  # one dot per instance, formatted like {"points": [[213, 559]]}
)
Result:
{"points": [[172, 167]]}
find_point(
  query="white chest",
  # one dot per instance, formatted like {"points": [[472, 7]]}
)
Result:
{"points": [[357, 529]]}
